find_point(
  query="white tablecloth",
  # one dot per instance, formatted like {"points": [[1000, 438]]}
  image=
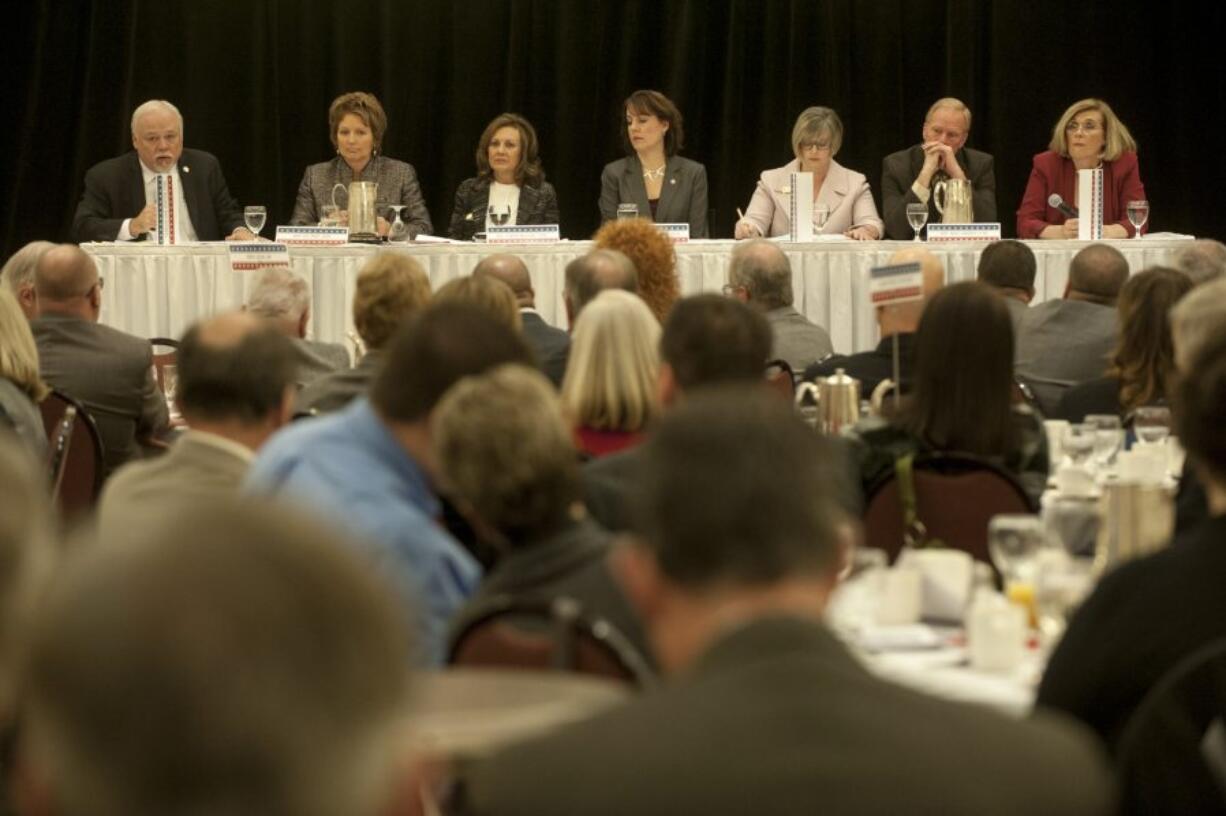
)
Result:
{"points": [[154, 291]]}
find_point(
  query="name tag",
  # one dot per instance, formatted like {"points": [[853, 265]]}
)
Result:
{"points": [[801, 207], [248, 255], [677, 233], [164, 195], [942, 233], [899, 283], [523, 234], [1090, 204], [313, 236]]}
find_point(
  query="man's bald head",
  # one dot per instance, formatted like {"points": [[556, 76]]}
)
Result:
{"points": [[590, 274], [1096, 274], [904, 317], [510, 270], [66, 280]]}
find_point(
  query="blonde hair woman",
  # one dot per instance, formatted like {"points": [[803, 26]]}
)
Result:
{"points": [[21, 389], [608, 393]]}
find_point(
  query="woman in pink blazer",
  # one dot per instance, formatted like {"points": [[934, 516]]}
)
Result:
{"points": [[816, 139], [1087, 136]]}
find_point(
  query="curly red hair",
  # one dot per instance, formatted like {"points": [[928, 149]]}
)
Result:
{"points": [[652, 254]]}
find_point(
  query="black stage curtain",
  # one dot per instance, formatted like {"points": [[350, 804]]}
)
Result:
{"points": [[254, 79]]}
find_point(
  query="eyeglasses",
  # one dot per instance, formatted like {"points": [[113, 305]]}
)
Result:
{"points": [[804, 146], [99, 285], [730, 289], [1089, 126]]}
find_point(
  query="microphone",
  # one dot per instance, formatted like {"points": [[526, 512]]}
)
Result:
{"points": [[1056, 202]]}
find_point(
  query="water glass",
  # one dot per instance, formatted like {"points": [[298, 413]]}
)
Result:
{"points": [[820, 215], [1151, 423], [917, 217], [1014, 542], [1138, 214], [170, 386], [1108, 437], [1078, 443], [255, 216], [1062, 582], [328, 216]]}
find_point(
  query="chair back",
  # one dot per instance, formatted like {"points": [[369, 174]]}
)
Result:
{"points": [[76, 453], [547, 633], [165, 352], [956, 495], [1172, 752], [781, 379]]}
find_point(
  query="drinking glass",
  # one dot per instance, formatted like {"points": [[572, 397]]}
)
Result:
{"points": [[398, 231], [917, 217], [1138, 214], [820, 216], [1061, 583], [328, 216], [254, 216], [1014, 542], [1151, 423], [1079, 440], [170, 386], [627, 211], [1108, 437]]}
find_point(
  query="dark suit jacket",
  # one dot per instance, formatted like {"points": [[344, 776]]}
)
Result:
{"points": [[1101, 396], [778, 718], [683, 198], [607, 485], [1053, 173], [110, 373], [869, 367], [551, 344], [537, 205], [115, 190], [898, 172], [316, 359]]}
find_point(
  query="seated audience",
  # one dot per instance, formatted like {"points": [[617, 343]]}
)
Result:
{"points": [[108, 371], [961, 395], [390, 289], [368, 469], [589, 275], [18, 274], [900, 320], [233, 659], [284, 298], [235, 389], [767, 711], [505, 454], [653, 257], [1067, 341], [761, 275], [487, 293], [1009, 268], [1143, 365], [608, 391], [1146, 615], [1203, 260], [551, 345], [21, 389]]}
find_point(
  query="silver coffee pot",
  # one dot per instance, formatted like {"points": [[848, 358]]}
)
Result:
{"points": [[837, 399]]}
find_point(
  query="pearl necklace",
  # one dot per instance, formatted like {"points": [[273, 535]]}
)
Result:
{"points": [[658, 173]]}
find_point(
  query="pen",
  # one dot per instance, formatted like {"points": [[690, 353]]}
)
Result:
{"points": [[740, 214]]}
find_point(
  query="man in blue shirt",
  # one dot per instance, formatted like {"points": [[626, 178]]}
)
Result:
{"points": [[368, 469]]}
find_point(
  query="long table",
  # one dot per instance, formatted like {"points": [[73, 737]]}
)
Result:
{"points": [[156, 291]]}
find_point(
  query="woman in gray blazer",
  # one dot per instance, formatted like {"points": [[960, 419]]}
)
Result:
{"points": [[357, 123], [664, 186], [509, 187]]}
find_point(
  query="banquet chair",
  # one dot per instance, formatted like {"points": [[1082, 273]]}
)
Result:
{"points": [[956, 495], [781, 379], [547, 633], [1172, 752], [165, 352], [76, 453]]}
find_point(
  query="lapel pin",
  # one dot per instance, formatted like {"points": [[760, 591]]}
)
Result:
{"points": [[672, 181], [186, 169]]}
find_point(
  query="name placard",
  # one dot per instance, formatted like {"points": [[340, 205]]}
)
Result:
{"points": [[248, 255], [900, 283], [942, 233], [312, 236], [1090, 204], [677, 233], [523, 234], [801, 207], [164, 195]]}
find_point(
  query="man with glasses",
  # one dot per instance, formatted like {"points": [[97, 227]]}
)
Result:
{"points": [[908, 176], [108, 371]]}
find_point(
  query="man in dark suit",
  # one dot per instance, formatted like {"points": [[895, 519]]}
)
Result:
{"points": [[280, 296], [551, 345], [108, 371], [118, 202], [768, 712], [1009, 267], [908, 176], [589, 275]]}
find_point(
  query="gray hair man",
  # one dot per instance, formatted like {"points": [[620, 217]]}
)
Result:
{"points": [[551, 344], [284, 298], [18, 275], [1203, 260], [589, 275]]}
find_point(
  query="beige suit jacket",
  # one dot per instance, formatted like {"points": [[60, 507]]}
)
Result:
{"points": [[844, 192]]}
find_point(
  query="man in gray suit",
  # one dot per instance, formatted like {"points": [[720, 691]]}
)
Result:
{"points": [[1067, 341], [736, 556], [279, 295], [551, 345], [1009, 267], [761, 276], [108, 371], [235, 387]]}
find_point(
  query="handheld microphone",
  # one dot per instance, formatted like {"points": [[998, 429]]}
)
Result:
{"points": [[1056, 202]]}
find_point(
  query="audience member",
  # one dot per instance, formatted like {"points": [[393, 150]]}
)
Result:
{"points": [[707, 340], [768, 712], [552, 345], [234, 659], [490, 295], [390, 288], [505, 454], [589, 275], [1143, 365], [608, 391], [235, 388], [369, 468], [1009, 267], [1203, 260], [21, 389], [654, 259], [1064, 342], [108, 371], [761, 275], [18, 274], [282, 297], [900, 320]]}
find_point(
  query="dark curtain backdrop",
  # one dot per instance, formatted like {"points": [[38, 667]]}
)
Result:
{"points": [[254, 79]]}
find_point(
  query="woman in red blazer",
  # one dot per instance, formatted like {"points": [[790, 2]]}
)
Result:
{"points": [[1088, 135]]}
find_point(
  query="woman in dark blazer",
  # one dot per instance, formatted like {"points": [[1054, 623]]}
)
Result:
{"points": [[664, 186], [509, 187]]}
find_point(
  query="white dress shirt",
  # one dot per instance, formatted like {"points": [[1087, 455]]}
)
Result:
{"points": [[503, 197]]}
